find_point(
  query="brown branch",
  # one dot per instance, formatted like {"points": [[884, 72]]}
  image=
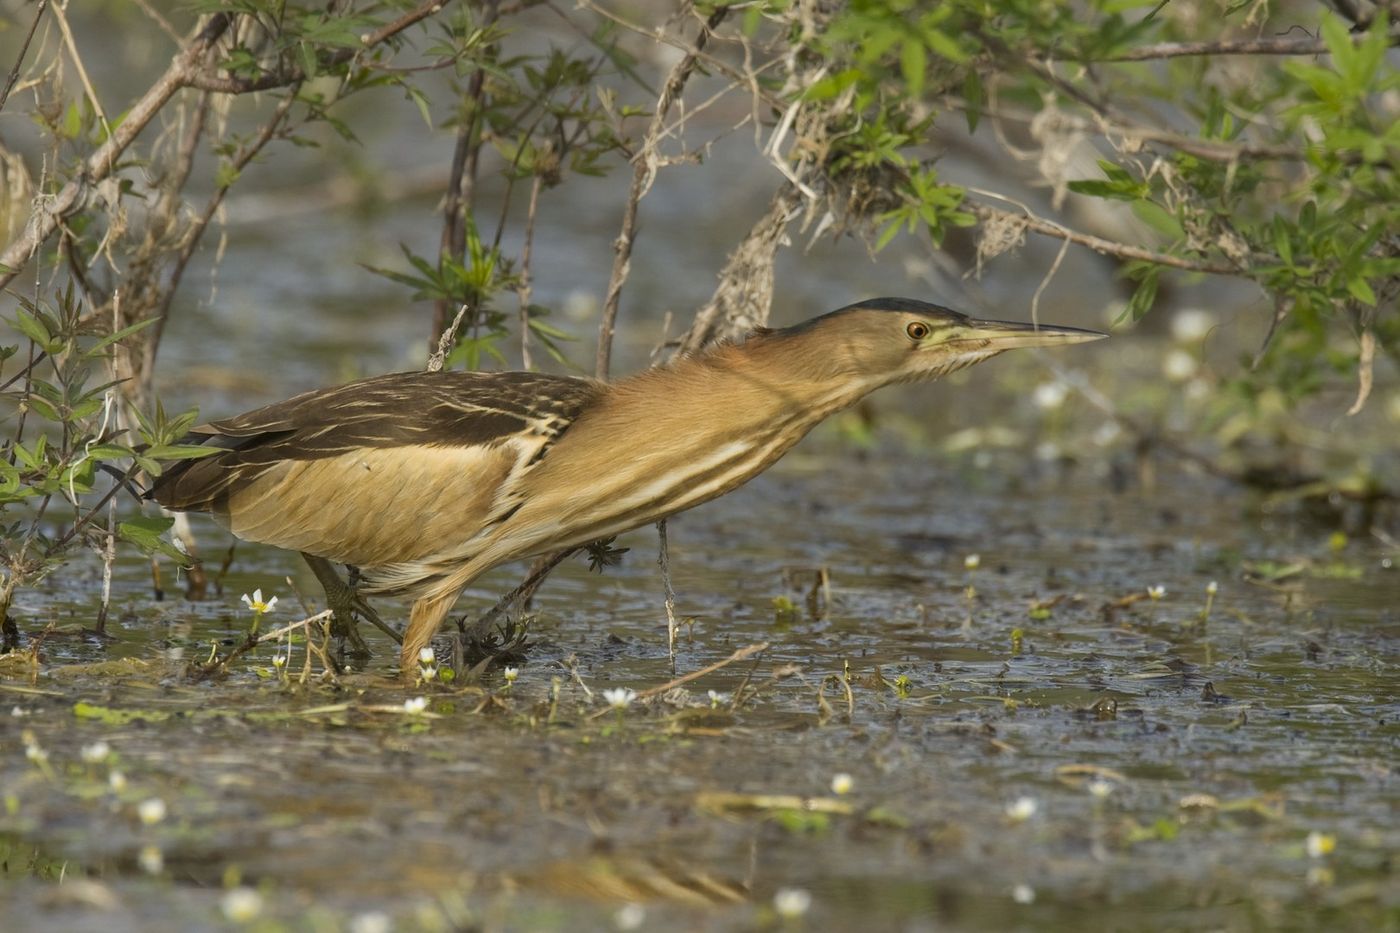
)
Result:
{"points": [[740, 655], [23, 51], [461, 184], [101, 163], [1101, 245], [185, 71], [643, 173], [1308, 46], [222, 84]]}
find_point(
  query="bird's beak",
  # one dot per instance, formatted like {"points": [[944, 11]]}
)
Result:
{"points": [[1008, 335]]}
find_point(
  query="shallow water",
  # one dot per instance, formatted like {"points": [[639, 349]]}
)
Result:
{"points": [[1217, 746]]}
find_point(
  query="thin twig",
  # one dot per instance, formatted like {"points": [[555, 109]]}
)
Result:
{"points": [[664, 559], [68, 40], [444, 342], [1308, 46], [23, 51], [740, 655], [1100, 245], [524, 288], [461, 183], [643, 173]]}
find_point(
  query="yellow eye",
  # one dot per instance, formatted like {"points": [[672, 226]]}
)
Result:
{"points": [[917, 331]]}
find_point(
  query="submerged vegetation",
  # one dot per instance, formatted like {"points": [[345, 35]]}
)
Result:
{"points": [[1139, 661]]}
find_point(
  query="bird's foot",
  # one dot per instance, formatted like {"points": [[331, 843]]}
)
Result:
{"points": [[486, 642]]}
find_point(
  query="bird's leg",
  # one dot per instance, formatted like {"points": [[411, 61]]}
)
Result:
{"points": [[424, 619], [344, 602]]}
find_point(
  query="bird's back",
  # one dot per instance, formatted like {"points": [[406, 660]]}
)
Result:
{"points": [[379, 471]]}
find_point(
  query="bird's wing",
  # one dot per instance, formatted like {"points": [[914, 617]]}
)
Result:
{"points": [[455, 415]]}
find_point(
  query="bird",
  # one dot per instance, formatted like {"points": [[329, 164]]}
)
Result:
{"points": [[422, 481]]}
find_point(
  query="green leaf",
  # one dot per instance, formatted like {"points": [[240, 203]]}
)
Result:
{"points": [[974, 97], [115, 336], [147, 533], [1143, 298], [913, 64], [1361, 290], [1158, 218]]}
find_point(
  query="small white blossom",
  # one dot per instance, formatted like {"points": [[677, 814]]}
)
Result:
{"points": [[1022, 809], [426, 656], [630, 917], [1050, 395], [510, 673], [116, 781], [151, 860], [842, 783], [256, 603], [428, 672], [1191, 325], [1212, 588], [415, 705], [1156, 592], [279, 660], [716, 698], [35, 753], [151, 811], [96, 753], [791, 903], [1320, 844], [1179, 366], [1100, 788], [18, 711], [242, 905], [1023, 894], [372, 922], [972, 561], [620, 697]]}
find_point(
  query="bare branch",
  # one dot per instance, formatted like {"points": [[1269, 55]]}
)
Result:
{"points": [[23, 50], [1307, 46], [1101, 245], [643, 173]]}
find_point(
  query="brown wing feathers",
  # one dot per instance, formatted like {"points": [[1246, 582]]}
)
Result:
{"points": [[436, 409]]}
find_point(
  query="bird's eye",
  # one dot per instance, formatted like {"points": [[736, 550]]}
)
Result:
{"points": [[917, 330]]}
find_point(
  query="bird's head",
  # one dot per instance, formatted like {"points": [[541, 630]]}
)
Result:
{"points": [[890, 340]]}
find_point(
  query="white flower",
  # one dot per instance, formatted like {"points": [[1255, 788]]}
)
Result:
{"points": [[372, 922], [1212, 588], [18, 711], [1050, 395], [255, 602], [1320, 844], [426, 656], [620, 697], [630, 917], [716, 698], [1179, 366], [510, 673], [791, 903], [1156, 592], [242, 905], [842, 783], [35, 753], [116, 781], [1022, 809], [151, 811], [1191, 325], [415, 705], [1100, 788], [1023, 894], [279, 660], [96, 753], [972, 561], [151, 860]]}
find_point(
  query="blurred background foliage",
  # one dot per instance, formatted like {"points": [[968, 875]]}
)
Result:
{"points": [[343, 177]]}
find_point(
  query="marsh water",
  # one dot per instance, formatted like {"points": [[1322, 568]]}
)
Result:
{"points": [[980, 720]]}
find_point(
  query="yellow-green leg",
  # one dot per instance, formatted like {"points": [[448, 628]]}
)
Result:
{"points": [[344, 603]]}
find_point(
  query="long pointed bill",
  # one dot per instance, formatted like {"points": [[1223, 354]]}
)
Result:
{"points": [[1008, 335]]}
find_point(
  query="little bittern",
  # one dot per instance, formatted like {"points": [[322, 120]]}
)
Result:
{"points": [[424, 481]]}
